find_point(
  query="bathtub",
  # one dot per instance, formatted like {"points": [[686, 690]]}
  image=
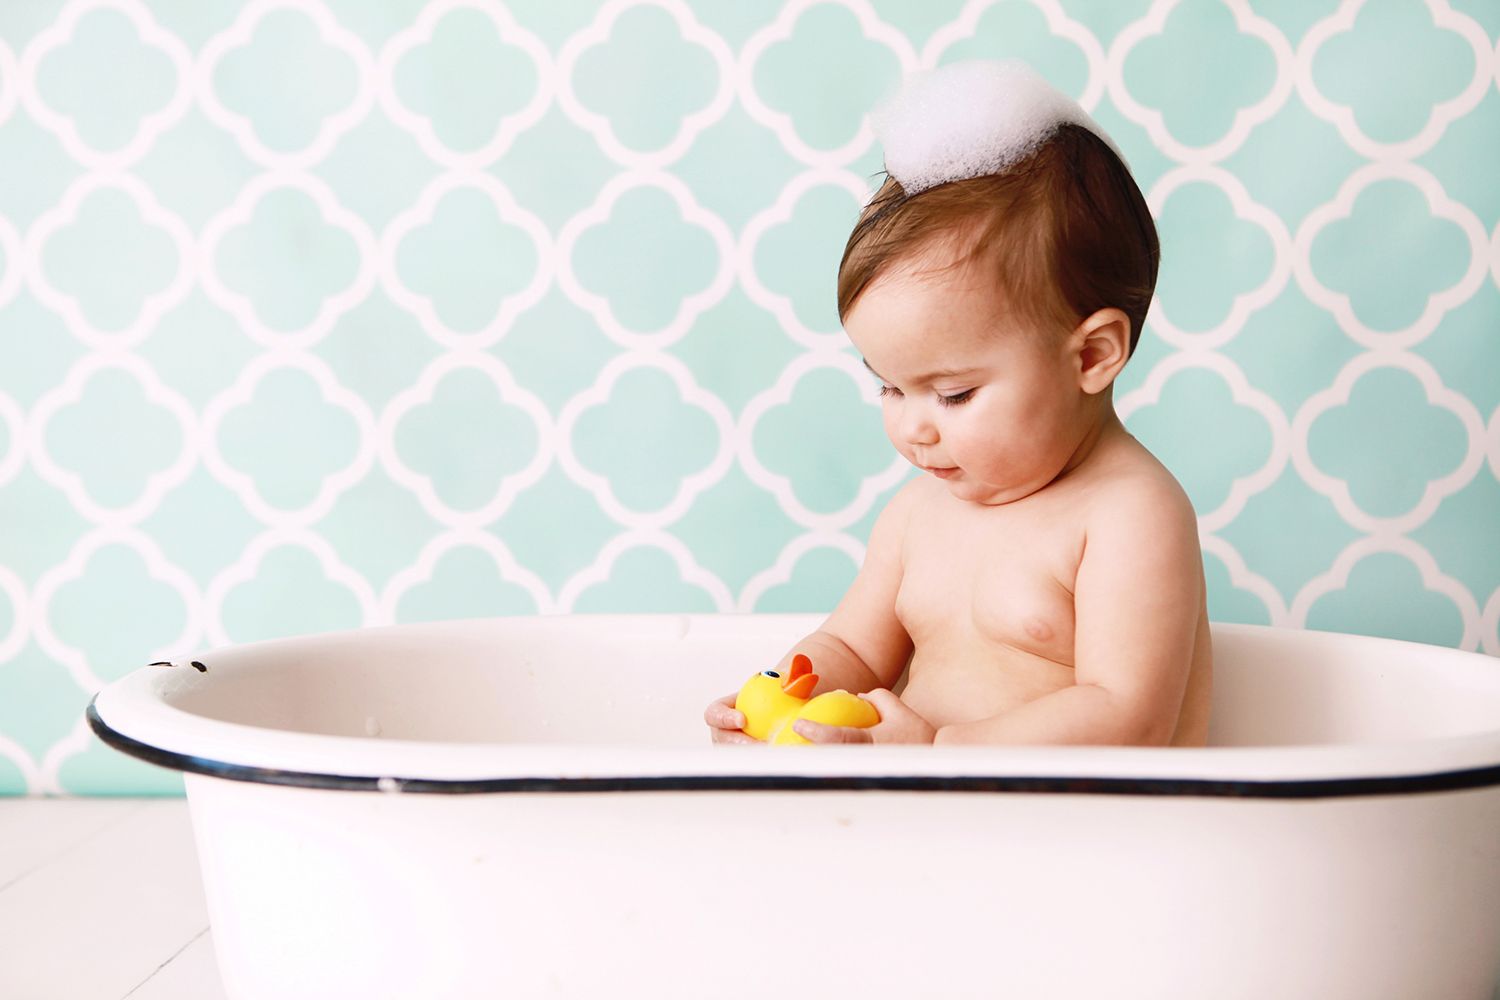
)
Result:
{"points": [[530, 807]]}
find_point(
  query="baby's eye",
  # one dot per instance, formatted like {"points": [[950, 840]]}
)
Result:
{"points": [[957, 399], [889, 390]]}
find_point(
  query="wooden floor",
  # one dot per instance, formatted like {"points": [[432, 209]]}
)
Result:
{"points": [[100, 899]]}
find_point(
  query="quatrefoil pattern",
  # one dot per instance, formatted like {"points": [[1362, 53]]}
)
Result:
{"points": [[321, 315]]}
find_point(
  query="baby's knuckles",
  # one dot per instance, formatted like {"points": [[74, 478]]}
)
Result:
{"points": [[725, 722], [818, 732], [898, 723]]}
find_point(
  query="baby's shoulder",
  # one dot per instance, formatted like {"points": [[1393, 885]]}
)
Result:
{"points": [[1134, 485], [923, 499], [912, 513], [895, 518]]}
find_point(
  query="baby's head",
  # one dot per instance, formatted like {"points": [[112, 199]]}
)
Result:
{"points": [[1008, 234], [990, 166]]}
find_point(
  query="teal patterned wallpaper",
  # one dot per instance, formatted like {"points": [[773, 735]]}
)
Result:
{"points": [[325, 313]]}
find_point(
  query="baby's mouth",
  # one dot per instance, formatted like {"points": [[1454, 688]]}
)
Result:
{"points": [[940, 472]]}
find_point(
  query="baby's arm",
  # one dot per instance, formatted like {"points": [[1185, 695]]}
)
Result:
{"points": [[861, 646], [1137, 602]]}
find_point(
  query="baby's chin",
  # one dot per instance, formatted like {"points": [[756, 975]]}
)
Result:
{"points": [[967, 488]]}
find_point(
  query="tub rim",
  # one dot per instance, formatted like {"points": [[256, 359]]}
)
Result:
{"points": [[132, 716]]}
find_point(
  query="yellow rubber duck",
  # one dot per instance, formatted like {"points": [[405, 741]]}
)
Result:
{"points": [[771, 704]]}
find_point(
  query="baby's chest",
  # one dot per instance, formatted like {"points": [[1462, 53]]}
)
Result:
{"points": [[1009, 590]]}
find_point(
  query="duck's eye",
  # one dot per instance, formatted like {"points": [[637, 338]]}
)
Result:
{"points": [[770, 673]]}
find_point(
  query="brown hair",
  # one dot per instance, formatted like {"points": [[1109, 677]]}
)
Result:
{"points": [[1066, 230]]}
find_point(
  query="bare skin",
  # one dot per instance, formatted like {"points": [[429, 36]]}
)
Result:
{"points": [[1041, 581]]}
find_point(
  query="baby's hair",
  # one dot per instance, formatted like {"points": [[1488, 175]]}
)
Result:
{"points": [[1066, 231]]}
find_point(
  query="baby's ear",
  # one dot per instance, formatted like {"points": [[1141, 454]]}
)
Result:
{"points": [[1101, 343]]}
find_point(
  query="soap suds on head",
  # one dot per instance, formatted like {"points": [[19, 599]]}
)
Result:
{"points": [[969, 119]]}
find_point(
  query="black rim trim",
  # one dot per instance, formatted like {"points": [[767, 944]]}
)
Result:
{"points": [[1318, 788]]}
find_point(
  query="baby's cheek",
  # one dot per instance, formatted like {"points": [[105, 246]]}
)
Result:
{"points": [[891, 435], [977, 451], [888, 420]]}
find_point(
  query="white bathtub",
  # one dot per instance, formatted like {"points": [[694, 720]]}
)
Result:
{"points": [[540, 814]]}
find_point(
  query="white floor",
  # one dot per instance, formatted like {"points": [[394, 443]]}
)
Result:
{"points": [[100, 899]]}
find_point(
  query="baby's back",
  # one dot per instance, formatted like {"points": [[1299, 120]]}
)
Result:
{"points": [[987, 593]]}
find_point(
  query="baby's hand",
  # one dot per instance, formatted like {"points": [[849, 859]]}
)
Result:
{"points": [[725, 723], [898, 724]]}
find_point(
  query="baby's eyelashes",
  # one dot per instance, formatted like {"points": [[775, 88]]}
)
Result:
{"points": [[957, 399]]}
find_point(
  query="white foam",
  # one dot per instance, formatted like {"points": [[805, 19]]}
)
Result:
{"points": [[971, 118]]}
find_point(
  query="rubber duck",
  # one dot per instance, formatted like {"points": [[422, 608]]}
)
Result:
{"points": [[771, 704]]}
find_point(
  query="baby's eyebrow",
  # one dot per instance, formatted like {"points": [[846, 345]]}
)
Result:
{"points": [[939, 373]]}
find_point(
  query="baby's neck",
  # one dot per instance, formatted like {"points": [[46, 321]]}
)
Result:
{"points": [[1104, 427]]}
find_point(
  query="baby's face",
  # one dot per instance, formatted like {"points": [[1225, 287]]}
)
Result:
{"points": [[993, 410]]}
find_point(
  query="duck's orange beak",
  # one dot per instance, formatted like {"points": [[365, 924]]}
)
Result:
{"points": [[801, 681]]}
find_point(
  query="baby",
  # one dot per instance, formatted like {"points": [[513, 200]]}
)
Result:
{"points": [[1040, 582]]}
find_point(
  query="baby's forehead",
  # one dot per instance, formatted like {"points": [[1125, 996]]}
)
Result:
{"points": [[931, 324], [931, 267], [946, 272], [958, 269]]}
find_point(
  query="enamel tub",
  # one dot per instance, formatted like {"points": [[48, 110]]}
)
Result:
{"points": [[530, 807]]}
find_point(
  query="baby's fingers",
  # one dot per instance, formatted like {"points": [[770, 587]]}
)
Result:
{"points": [[725, 723], [818, 732], [721, 714]]}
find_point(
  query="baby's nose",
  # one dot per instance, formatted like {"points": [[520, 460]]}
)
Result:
{"points": [[917, 425]]}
